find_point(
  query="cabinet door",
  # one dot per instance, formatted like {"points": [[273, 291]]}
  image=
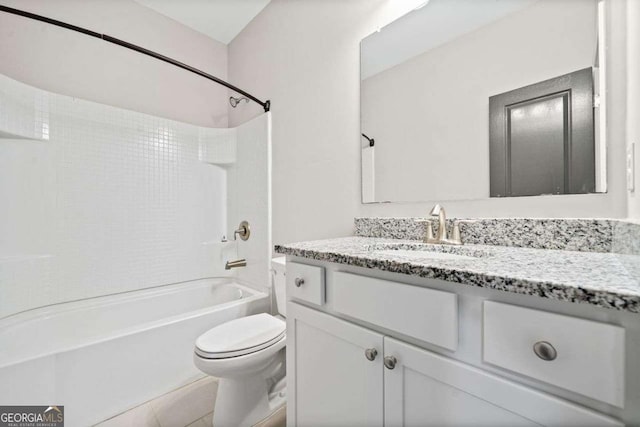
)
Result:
{"points": [[427, 389], [331, 382]]}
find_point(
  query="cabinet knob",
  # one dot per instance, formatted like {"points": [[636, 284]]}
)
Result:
{"points": [[390, 362], [371, 354], [299, 282], [545, 350]]}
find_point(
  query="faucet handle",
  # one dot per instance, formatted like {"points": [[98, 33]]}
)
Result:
{"points": [[428, 237], [455, 233], [435, 211]]}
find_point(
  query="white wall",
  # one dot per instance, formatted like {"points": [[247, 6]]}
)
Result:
{"points": [[304, 56], [430, 113], [69, 63]]}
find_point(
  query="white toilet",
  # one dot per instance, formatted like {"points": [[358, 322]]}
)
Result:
{"points": [[248, 357]]}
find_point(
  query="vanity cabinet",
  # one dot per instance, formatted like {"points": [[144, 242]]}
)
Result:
{"points": [[347, 366], [584, 356], [424, 388], [335, 382], [348, 375]]}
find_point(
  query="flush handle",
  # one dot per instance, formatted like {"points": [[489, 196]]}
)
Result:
{"points": [[545, 351], [299, 282], [390, 362], [371, 354]]}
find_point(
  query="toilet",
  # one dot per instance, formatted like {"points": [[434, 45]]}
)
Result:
{"points": [[248, 357]]}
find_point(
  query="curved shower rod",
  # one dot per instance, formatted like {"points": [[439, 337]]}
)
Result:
{"points": [[266, 104]]}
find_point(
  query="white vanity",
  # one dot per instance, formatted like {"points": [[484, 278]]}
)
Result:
{"points": [[373, 347]]}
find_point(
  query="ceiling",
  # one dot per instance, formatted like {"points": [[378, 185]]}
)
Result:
{"points": [[221, 20]]}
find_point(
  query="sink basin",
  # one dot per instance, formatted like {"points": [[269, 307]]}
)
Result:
{"points": [[428, 251]]}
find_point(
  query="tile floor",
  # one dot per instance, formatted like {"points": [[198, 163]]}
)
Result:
{"points": [[188, 406]]}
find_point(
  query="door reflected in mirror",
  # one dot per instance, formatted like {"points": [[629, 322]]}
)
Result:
{"points": [[469, 99]]}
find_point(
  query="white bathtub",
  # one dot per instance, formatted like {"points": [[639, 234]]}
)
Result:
{"points": [[101, 356]]}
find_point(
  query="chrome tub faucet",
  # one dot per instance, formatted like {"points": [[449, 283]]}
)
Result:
{"points": [[235, 264]]}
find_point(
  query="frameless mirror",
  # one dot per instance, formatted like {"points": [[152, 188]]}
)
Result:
{"points": [[469, 99]]}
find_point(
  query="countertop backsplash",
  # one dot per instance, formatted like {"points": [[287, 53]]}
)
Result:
{"points": [[572, 234]]}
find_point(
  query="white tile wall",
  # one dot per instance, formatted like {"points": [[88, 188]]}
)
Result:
{"points": [[104, 200], [24, 112], [218, 146]]}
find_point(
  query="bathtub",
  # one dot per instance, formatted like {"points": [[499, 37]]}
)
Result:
{"points": [[102, 356]]}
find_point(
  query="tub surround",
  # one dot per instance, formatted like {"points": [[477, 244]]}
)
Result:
{"points": [[580, 234], [604, 280], [101, 178]]}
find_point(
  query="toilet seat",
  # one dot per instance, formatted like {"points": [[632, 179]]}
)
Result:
{"points": [[240, 337]]}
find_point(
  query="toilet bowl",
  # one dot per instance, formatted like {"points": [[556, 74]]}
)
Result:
{"points": [[248, 357]]}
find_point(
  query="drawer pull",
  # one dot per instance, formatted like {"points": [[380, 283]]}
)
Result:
{"points": [[390, 362], [545, 351], [299, 282], [371, 354]]}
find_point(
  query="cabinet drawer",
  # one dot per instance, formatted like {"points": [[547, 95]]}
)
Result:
{"points": [[422, 313], [305, 283], [579, 355]]}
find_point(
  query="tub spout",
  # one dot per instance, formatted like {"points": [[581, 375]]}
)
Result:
{"points": [[235, 264]]}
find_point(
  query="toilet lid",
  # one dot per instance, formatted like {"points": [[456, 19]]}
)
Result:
{"points": [[240, 336]]}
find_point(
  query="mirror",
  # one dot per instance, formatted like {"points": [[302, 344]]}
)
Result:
{"points": [[469, 99]]}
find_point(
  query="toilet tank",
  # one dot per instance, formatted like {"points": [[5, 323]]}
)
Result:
{"points": [[278, 269]]}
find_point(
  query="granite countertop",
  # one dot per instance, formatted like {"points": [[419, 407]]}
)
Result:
{"points": [[606, 280]]}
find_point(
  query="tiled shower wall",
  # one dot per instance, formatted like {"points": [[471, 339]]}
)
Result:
{"points": [[97, 200]]}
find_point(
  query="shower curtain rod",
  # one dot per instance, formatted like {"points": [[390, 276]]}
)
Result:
{"points": [[266, 104]]}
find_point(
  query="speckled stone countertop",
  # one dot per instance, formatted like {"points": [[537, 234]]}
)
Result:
{"points": [[605, 280]]}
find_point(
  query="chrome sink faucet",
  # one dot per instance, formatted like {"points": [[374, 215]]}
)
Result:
{"points": [[442, 238]]}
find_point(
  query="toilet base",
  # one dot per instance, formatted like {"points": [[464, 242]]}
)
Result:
{"points": [[244, 402]]}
